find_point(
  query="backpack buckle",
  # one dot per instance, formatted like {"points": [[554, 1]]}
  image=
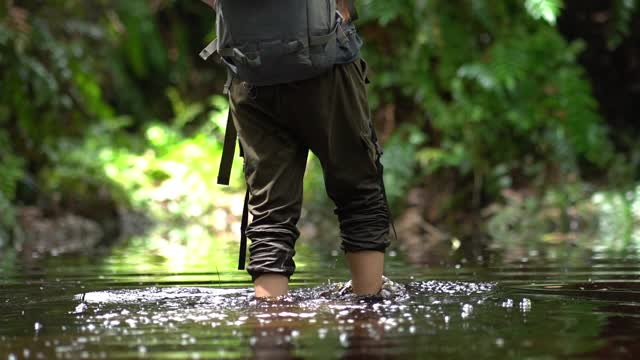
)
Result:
{"points": [[245, 60]]}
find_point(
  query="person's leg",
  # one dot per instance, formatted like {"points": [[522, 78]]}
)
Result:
{"points": [[366, 271], [334, 121], [274, 168]]}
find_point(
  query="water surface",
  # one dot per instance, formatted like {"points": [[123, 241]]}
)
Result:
{"points": [[150, 298]]}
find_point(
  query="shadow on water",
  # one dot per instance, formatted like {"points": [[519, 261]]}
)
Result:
{"points": [[136, 303]]}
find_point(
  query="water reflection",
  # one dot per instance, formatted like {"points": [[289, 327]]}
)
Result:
{"points": [[582, 303], [437, 319], [310, 321]]}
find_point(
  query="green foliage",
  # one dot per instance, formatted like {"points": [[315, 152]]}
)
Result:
{"points": [[111, 95], [619, 218], [11, 168], [7, 220], [165, 172], [544, 9], [399, 162], [623, 12], [503, 92], [48, 82], [514, 98], [80, 80], [174, 171], [50, 93]]}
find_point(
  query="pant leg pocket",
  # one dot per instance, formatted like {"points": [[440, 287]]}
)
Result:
{"points": [[373, 149], [363, 67]]}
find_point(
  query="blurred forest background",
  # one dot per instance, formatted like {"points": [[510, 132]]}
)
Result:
{"points": [[502, 121]]}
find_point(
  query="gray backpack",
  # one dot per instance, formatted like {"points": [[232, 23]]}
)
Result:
{"points": [[267, 42]]}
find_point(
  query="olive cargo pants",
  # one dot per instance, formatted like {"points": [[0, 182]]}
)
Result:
{"points": [[277, 126]]}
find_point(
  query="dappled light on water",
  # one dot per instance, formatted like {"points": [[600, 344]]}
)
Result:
{"points": [[164, 297], [203, 321]]}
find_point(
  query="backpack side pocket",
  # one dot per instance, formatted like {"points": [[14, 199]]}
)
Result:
{"points": [[323, 28]]}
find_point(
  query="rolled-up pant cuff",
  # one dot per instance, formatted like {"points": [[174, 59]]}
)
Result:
{"points": [[381, 247], [271, 255], [364, 224], [257, 273]]}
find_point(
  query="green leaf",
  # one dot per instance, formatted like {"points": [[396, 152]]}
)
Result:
{"points": [[544, 9]]}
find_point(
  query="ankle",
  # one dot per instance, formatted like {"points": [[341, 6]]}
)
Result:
{"points": [[366, 286], [366, 271], [271, 285]]}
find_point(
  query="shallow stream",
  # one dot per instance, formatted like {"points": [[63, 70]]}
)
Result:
{"points": [[145, 299]]}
